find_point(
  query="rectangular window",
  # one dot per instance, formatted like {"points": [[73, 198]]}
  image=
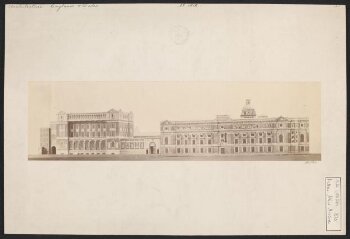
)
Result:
{"points": [[302, 148], [236, 141], [193, 141], [201, 141], [178, 150], [252, 141], [193, 150], [202, 150], [281, 148], [236, 149], [209, 150], [186, 150], [244, 141], [166, 150], [260, 140], [178, 141], [244, 149], [269, 140], [252, 149], [269, 149], [261, 149], [209, 141]]}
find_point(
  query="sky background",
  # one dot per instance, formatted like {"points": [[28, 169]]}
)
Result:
{"points": [[152, 102]]}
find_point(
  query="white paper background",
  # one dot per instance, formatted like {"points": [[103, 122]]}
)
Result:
{"points": [[135, 43]]}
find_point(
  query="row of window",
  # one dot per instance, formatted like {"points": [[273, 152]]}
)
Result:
{"points": [[178, 142], [92, 145], [187, 150], [101, 145], [244, 149], [111, 126], [237, 141], [194, 135], [101, 130], [97, 134], [239, 126], [133, 145], [270, 125], [260, 134]]}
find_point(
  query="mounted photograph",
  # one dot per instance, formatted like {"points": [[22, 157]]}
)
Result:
{"points": [[151, 119], [174, 121]]}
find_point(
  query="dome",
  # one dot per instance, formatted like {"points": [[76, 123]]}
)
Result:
{"points": [[248, 111]]}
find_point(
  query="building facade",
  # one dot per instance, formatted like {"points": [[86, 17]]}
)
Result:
{"points": [[248, 135], [110, 132]]}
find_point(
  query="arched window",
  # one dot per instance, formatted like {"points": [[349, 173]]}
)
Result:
{"points": [[302, 138], [166, 140], [280, 138], [92, 145], [53, 150], [43, 150]]}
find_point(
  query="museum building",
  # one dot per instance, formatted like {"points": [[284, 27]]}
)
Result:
{"points": [[109, 132], [248, 135], [112, 132]]}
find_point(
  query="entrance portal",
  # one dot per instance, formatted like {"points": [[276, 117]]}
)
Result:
{"points": [[53, 150], [152, 148]]}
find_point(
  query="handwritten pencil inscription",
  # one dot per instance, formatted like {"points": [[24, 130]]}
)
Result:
{"points": [[333, 204]]}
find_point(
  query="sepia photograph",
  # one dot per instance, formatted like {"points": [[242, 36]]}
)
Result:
{"points": [[174, 121], [188, 119]]}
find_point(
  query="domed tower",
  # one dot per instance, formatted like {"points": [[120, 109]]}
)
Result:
{"points": [[248, 111]]}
